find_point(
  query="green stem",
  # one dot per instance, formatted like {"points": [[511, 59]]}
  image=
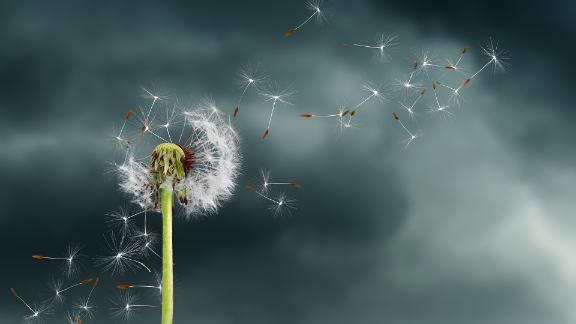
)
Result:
{"points": [[167, 260]]}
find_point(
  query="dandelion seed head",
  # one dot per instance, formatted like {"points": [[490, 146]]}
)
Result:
{"points": [[205, 167]]}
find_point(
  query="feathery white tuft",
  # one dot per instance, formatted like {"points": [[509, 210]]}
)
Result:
{"points": [[215, 145]]}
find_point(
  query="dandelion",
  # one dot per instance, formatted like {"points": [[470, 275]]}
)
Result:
{"points": [[455, 66], [275, 95], [266, 183], [157, 287], [121, 256], [317, 13], [120, 134], [59, 290], [385, 42], [70, 259], [126, 305], [198, 164], [426, 62], [249, 77], [279, 206], [84, 306], [343, 117], [438, 108], [410, 107], [496, 56], [408, 83], [412, 136], [36, 311], [455, 96], [122, 220], [373, 93]]}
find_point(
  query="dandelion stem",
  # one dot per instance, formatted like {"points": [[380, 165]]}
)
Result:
{"points": [[167, 264]]}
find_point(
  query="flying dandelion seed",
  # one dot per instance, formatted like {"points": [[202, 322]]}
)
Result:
{"points": [[343, 118], [455, 95], [374, 93], [122, 220], [274, 94], [126, 305], [70, 259], [438, 108], [425, 62], [409, 83], [411, 136], [456, 65], [122, 256], [59, 290], [198, 164], [267, 184], [383, 46], [37, 312], [120, 134], [317, 12], [410, 107], [279, 206], [497, 58], [249, 77], [84, 307], [156, 288]]}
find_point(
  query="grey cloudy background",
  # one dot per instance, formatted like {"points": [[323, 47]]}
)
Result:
{"points": [[473, 223]]}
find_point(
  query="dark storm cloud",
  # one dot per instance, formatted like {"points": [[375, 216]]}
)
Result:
{"points": [[469, 225]]}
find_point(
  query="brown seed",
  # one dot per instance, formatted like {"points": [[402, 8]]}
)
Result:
{"points": [[434, 85], [290, 32], [250, 189], [236, 110], [353, 113], [466, 82], [142, 130], [347, 45], [96, 282], [38, 257], [465, 50], [395, 115], [450, 67], [265, 134], [85, 281], [13, 292], [414, 65], [345, 113], [123, 287], [296, 185], [423, 92], [128, 114], [306, 115]]}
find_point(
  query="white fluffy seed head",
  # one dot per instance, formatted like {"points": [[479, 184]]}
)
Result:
{"points": [[213, 160]]}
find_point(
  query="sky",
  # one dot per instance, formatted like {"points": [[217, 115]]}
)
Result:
{"points": [[471, 223]]}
